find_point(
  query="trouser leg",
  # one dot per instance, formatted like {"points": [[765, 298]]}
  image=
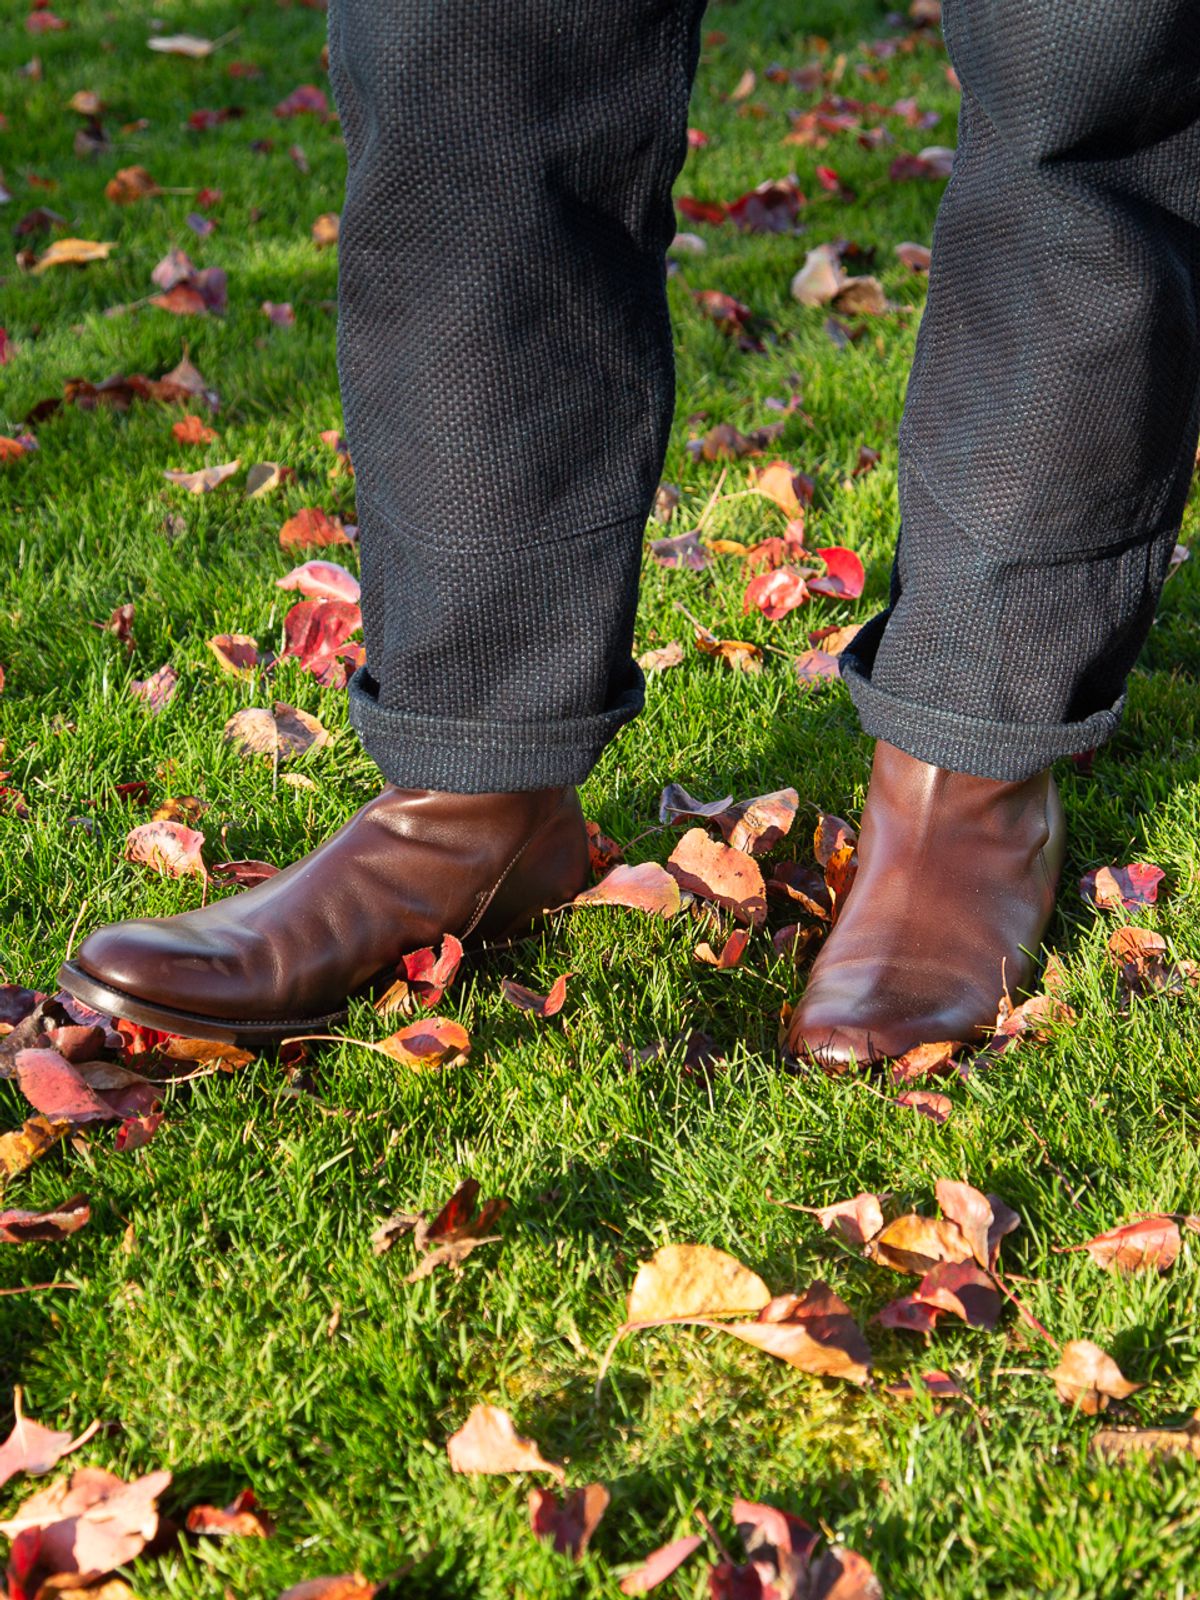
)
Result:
{"points": [[1051, 419], [506, 367]]}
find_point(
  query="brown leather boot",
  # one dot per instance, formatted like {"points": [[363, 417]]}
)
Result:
{"points": [[955, 888], [284, 957]]}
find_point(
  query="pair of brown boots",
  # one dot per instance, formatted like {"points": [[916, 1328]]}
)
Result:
{"points": [[955, 888]]}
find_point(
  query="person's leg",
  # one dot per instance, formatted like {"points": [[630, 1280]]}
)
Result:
{"points": [[1046, 449], [507, 380]]}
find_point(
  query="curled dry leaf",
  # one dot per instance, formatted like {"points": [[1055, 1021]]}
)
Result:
{"points": [[937, 1384], [675, 802], [757, 825], [680, 550], [73, 253], [660, 1564], [284, 732], [845, 576], [245, 873], [81, 1091], [423, 977], [815, 666], [312, 526], [775, 593], [429, 1042], [22, 1146], [717, 872], [568, 1524], [243, 1518], [169, 848], [686, 1280], [663, 659], [322, 580], [488, 1442], [971, 1210], [25, 1227], [33, 1449], [916, 257], [737, 654], [1122, 888], [85, 1525], [205, 479], [236, 653], [814, 1332], [792, 491], [1089, 1378], [1149, 1243], [803, 885], [647, 887], [730, 953], [925, 1061], [856, 1220], [959, 1288], [917, 1244], [541, 1005]]}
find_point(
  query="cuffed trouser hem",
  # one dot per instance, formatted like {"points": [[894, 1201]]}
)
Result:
{"points": [[1009, 752], [464, 757]]}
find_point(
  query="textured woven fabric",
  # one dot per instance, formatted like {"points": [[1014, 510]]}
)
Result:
{"points": [[507, 376], [506, 367], [1052, 413]]}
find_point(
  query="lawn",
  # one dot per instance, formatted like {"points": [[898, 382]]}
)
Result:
{"points": [[223, 1315]]}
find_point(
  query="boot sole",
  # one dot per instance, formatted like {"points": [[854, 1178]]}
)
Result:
{"points": [[259, 1037]]}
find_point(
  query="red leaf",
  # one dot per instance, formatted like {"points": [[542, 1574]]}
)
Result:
{"points": [[1122, 888], [857, 1220], [135, 1133], [87, 1524], [844, 577], [730, 954], [775, 593], [524, 999], [33, 1449], [1150, 1242], [571, 1524], [306, 98], [660, 1564], [322, 580], [23, 1227], [312, 526], [168, 848], [935, 1106], [429, 975], [242, 1518], [316, 632]]}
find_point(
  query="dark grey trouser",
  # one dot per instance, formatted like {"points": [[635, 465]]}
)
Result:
{"points": [[507, 377]]}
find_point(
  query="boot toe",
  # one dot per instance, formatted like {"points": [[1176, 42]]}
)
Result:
{"points": [[124, 956]]}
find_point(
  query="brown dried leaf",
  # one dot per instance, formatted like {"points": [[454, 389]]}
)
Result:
{"points": [[312, 526], [1089, 1378], [429, 1042], [1117, 1443], [33, 1449], [345, 1586], [925, 1061], [24, 1227], [647, 887], [971, 1210], [730, 953], [814, 1332], [21, 1147], [1151, 1242], [663, 659], [541, 1005], [856, 1220], [169, 848], [73, 253], [571, 1524], [243, 1518], [284, 731], [916, 1244], [1122, 888], [205, 479], [757, 825], [717, 872], [237, 653], [937, 1107], [488, 1442], [688, 1280]]}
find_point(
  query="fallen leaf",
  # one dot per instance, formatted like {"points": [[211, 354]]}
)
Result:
{"points": [[916, 257], [263, 477], [861, 297], [135, 1133], [322, 580], [842, 1574], [686, 1280], [81, 1091], [780, 482], [1151, 1242], [737, 654], [547, 1005], [168, 848], [245, 873], [814, 1332], [802, 884], [325, 229], [730, 953], [1116, 1443], [22, 1146], [193, 431], [675, 802], [205, 479], [236, 653], [647, 887], [681, 550], [73, 253], [844, 578], [280, 313], [34, 1449], [242, 1518], [856, 1220], [937, 1107], [182, 44], [660, 1564], [1122, 888], [958, 1288], [820, 278], [661, 660], [569, 1525], [717, 872], [925, 1061], [488, 1442], [430, 1042], [346, 1586], [971, 1210], [317, 634], [285, 732], [24, 1227], [85, 1525], [305, 99], [312, 526], [1141, 958], [758, 824], [939, 1385], [775, 593], [157, 690], [815, 666], [916, 1244], [1089, 1378]]}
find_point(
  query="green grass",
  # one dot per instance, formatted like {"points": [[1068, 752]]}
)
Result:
{"points": [[208, 1280]]}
